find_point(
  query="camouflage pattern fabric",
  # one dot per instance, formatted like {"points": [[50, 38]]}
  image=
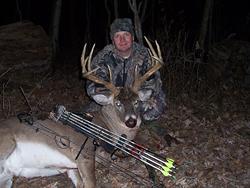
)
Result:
{"points": [[123, 76]]}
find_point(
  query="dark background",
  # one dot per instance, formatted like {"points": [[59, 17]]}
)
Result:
{"points": [[229, 17]]}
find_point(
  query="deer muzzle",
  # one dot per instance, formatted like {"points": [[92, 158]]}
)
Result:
{"points": [[131, 122]]}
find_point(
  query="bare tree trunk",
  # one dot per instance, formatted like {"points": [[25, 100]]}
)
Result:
{"points": [[19, 10], [210, 32], [137, 21], [205, 23], [109, 20], [55, 29], [153, 16], [143, 6], [116, 9], [72, 25], [87, 36]]}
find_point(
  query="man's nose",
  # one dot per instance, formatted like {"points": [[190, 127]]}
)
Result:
{"points": [[122, 38]]}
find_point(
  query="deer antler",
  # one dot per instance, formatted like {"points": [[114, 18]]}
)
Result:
{"points": [[90, 74], [156, 63]]}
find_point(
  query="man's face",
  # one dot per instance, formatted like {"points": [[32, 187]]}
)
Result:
{"points": [[123, 41]]}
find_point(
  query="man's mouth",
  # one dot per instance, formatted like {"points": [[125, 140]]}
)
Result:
{"points": [[124, 44]]}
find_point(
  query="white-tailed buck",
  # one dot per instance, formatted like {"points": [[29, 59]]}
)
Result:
{"points": [[45, 148]]}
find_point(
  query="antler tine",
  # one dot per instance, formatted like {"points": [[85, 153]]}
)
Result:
{"points": [[86, 61], [110, 74], [157, 56], [90, 57], [159, 51], [157, 62], [150, 46], [83, 64], [90, 74]]}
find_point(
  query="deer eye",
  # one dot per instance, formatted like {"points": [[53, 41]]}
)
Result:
{"points": [[136, 103], [118, 103]]}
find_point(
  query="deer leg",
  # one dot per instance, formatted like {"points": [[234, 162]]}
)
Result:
{"points": [[5, 177], [86, 166], [7, 146], [87, 172], [75, 177], [5, 181], [84, 175]]}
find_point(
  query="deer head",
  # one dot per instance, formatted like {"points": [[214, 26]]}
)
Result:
{"points": [[122, 114]]}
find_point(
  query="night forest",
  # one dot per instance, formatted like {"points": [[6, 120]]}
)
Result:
{"points": [[205, 46]]}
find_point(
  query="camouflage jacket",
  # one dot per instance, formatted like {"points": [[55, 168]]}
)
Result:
{"points": [[123, 71]]}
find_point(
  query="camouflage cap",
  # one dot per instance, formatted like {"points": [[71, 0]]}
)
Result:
{"points": [[121, 24]]}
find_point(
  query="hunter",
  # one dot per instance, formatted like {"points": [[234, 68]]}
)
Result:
{"points": [[122, 56]]}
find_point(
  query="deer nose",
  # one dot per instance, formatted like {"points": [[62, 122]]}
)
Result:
{"points": [[131, 122]]}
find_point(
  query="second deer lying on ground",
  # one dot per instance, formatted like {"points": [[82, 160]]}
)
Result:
{"points": [[47, 148]]}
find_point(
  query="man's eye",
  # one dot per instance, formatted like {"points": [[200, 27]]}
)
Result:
{"points": [[117, 36], [126, 34]]}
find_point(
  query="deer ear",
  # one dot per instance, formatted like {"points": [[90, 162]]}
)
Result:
{"points": [[145, 94], [102, 99]]}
